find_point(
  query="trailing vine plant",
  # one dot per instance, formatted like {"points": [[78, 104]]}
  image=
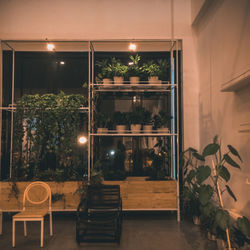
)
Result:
{"points": [[45, 136]]}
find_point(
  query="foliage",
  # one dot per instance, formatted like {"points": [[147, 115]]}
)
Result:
{"points": [[45, 135], [101, 120], [147, 117], [164, 68], [162, 119], [120, 118], [134, 69], [136, 116], [151, 69], [117, 68], [104, 69], [207, 183]]}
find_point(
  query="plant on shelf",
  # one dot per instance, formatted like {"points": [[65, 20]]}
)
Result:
{"points": [[147, 121], [164, 69], [105, 72], [134, 69], [208, 183], [120, 121], [135, 119], [119, 70], [161, 121], [152, 71], [101, 122]]}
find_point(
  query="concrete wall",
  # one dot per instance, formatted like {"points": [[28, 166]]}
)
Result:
{"points": [[223, 51], [109, 19]]}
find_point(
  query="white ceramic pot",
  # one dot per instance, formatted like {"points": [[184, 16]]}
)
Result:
{"points": [[118, 80], [134, 79], [106, 81], [102, 130], [147, 128], [153, 80], [135, 128], [121, 129], [163, 130]]}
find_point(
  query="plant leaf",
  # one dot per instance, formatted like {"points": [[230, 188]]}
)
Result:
{"points": [[198, 156], [224, 173], [234, 151], [230, 161], [229, 190], [215, 140], [205, 194], [192, 150], [244, 226], [190, 176], [210, 149], [222, 219], [203, 172]]}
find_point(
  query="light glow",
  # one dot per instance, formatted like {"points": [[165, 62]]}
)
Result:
{"points": [[82, 140], [50, 47], [112, 152], [130, 63], [62, 62], [132, 47]]}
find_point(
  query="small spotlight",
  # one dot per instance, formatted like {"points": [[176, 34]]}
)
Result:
{"points": [[130, 63], [62, 62], [82, 140], [132, 47], [112, 152], [50, 46]]}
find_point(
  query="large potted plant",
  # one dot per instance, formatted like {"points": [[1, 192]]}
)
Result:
{"points": [[147, 122], [101, 122], [120, 121], [134, 69], [152, 70], [105, 72], [135, 119], [161, 122], [118, 71]]}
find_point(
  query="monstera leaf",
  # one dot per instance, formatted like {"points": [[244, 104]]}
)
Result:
{"points": [[203, 172], [210, 149]]}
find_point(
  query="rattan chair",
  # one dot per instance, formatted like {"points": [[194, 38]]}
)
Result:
{"points": [[99, 215], [36, 204]]}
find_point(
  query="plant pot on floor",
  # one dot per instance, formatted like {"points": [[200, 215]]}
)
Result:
{"points": [[134, 79], [154, 80], [135, 128], [147, 128], [118, 80], [120, 129]]}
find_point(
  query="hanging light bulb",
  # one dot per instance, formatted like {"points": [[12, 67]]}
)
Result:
{"points": [[50, 47], [132, 46]]}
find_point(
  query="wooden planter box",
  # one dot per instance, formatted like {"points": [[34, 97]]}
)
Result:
{"points": [[69, 202], [139, 194]]}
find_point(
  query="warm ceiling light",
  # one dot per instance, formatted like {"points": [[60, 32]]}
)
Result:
{"points": [[62, 62], [50, 47], [132, 47], [82, 140]]}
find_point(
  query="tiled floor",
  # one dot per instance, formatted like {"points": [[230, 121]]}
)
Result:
{"points": [[146, 231]]}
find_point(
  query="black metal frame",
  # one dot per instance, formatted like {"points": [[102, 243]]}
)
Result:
{"points": [[99, 215]]}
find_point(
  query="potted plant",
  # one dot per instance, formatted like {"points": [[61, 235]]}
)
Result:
{"points": [[152, 70], [105, 74], [135, 119], [147, 122], [101, 122], [164, 69], [120, 121], [134, 70], [118, 70], [161, 121]]}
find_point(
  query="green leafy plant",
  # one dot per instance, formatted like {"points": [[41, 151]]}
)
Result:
{"points": [[101, 120], [164, 68], [117, 68], [151, 69], [162, 119], [134, 68], [104, 69], [120, 118], [136, 116], [147, 117]]}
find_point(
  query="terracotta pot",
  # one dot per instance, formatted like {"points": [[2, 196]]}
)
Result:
{"points": [[147, 128], [163, 130], [102, 130], [121, 129], [106, 81], [135, 128], [118, 80], [134, 79], [154, 80]]}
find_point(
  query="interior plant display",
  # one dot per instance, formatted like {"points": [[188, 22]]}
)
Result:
{"points": [[206, 176], [134, 69], [164, 69], [120, 121], [101, 122], [119, 71], [161, 121], [147, 122], [105, 72], [135, 119], [45, 136], [152, 70]]}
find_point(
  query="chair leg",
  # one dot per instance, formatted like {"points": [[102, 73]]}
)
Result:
{"points": [[25, 228], [42, 227], [13, 232], [50, 221]]}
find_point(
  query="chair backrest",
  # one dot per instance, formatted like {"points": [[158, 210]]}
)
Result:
{"points": [[36, 194], [103, 196]]}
